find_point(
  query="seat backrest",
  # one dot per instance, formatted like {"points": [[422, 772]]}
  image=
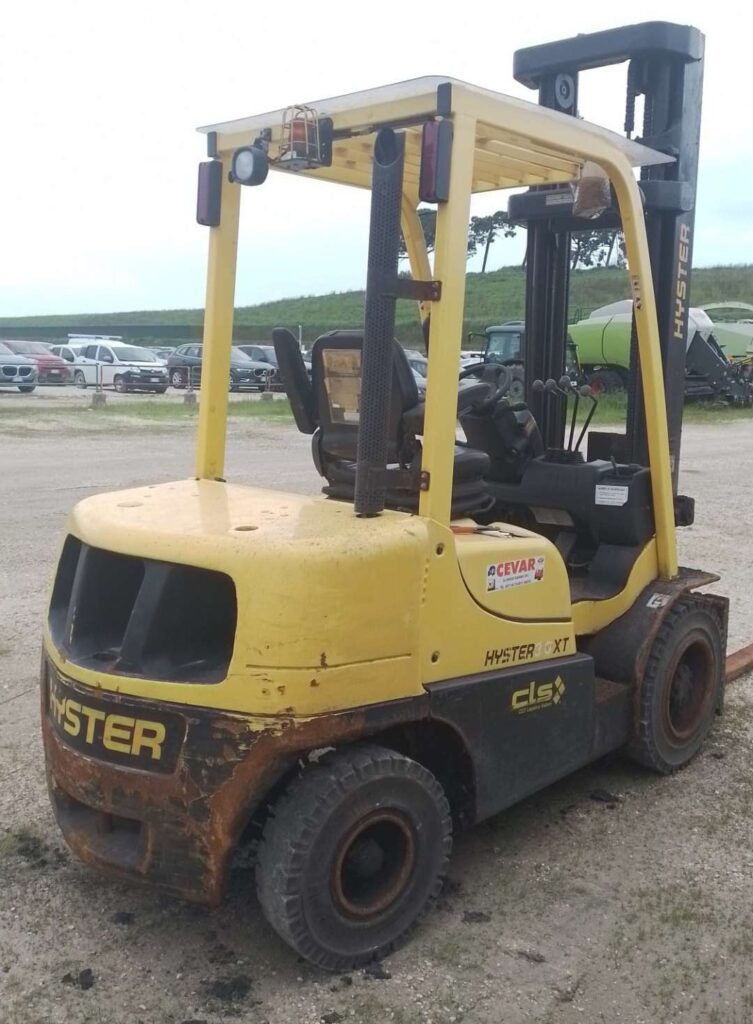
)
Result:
{"points": [[336, 378], [295, 379]]}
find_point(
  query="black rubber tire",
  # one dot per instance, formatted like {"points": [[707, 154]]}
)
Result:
{"points": [[79, 379], [178, 378], [681, 689], [308, 888], [26, 389], [119, 384], [516, 388], [606, 382]]}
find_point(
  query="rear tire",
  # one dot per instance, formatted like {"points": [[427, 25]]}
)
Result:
{"points": [[681, 688], [352, 855], [606, 382]]}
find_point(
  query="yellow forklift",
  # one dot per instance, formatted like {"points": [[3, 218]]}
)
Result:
{"points": [[350, 678]]}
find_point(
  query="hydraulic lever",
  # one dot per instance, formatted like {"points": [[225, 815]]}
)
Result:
{"points": [[586, 392]]}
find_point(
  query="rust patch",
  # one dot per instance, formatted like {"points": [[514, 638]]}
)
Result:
{"points": [[178, 831]]}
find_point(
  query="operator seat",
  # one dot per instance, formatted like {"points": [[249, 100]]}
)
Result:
{"points": [[327, 407]]}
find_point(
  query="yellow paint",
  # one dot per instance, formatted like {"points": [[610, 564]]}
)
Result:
{"points": [[218, 335], [445, 338], [415, 244], [516, 556], [591, 616]]}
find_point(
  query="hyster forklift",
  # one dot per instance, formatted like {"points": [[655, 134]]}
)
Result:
{"points": [[346, 680]]}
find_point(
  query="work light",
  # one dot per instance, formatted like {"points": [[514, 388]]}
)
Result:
{"points": [[249, 166]]}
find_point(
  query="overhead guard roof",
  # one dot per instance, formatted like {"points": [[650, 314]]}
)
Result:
{"points": [[517, 142]]}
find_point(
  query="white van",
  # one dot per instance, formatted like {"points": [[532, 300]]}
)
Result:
{"points": [[115, 364]]}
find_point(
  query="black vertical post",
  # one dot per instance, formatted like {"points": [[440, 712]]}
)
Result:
{"points": [[379, 322], [547, 285]]}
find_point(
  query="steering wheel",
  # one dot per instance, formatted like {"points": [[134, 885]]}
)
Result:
{"points": [[496, 378]]}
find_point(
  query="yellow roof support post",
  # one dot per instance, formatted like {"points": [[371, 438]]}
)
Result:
{"points": [[415, 244], [649, 352], [218, 333], [450, 256]]}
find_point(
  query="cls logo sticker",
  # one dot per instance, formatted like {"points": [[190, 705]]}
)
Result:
{"points": [[537, 695]]}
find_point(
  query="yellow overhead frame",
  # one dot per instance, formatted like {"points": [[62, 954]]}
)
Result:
{"points": [[499, 142]]}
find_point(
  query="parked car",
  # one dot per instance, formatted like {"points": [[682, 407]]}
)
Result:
{"points": [[17, 371], [185, 363], [417, 362], [51, 369], [70, 353], [118, 365], [264, 354]]}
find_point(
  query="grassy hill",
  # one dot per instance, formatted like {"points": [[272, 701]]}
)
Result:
{"points": [[491, 297]]}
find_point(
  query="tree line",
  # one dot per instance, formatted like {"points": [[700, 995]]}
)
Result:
{"points": [[588, 248]]}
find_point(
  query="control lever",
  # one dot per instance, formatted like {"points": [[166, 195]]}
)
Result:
{"points": [[566, 383], [587, 392], [552, 388]]}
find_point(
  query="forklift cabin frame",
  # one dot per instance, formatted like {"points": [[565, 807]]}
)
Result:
{"points": [[498, 142]]}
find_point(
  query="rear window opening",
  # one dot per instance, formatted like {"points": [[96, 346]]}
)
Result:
{"points": [[135, 616], [192, 631], [105, 601]]}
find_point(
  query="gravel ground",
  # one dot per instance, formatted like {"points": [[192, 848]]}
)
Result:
{"points": [[611, 896]]}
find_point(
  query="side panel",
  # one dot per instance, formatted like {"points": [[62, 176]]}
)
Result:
{"points": [[524, 728]]}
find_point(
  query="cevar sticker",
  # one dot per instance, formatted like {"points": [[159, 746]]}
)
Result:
{"points": [[515, 573]]}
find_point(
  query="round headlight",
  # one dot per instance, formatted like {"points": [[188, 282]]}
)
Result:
{"points": [[249, 165]]}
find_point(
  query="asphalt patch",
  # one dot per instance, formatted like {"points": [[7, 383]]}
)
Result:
{"points": [[603, 796], [230, 989], [37, 853], [83, 980], [476, 917], [376, 972]]}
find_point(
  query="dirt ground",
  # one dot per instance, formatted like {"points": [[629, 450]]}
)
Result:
{"points": [[612, 896]]}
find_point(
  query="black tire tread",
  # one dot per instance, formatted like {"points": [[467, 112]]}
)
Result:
{"points": [[642, 748], [292, 824]]}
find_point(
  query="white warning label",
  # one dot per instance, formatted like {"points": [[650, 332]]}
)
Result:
{"points": [[515, 573], [611, 494]]}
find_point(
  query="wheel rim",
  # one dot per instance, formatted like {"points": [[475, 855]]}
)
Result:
{"points": [[118, 382], [177, 379], [374, 863], [691, 678]]}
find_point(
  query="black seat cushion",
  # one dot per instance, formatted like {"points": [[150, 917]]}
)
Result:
{"points": [[336, 368]]}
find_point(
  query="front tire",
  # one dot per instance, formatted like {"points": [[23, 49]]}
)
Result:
{"points": [[352, 855], [178, 379], [79, 379], [120, 385], [681, 689]]}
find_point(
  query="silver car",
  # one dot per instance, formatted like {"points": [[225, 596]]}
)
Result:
{"points": [[17, 371]]}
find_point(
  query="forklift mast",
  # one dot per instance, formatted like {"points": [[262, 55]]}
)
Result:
{"points": [[665, 66]]}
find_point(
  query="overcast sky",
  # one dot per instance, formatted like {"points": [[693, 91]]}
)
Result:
{"points": [[100, 102]]}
